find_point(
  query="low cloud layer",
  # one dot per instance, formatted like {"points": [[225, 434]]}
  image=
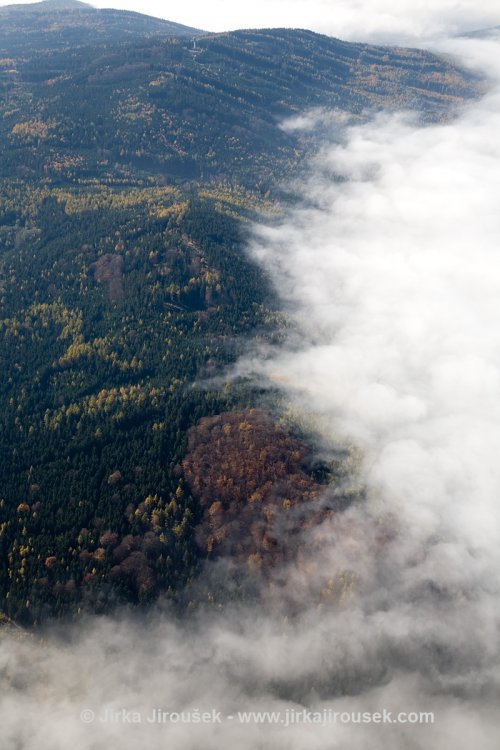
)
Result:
{"points": [[390, 266]]}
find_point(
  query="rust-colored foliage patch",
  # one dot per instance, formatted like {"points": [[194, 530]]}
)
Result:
{"points": [[249, 474]]}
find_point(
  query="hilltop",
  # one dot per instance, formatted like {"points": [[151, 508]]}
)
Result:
{"points": [[62, 24]]}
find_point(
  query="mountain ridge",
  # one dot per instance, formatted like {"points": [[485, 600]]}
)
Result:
{"points": [[176, 110], [52, 23]]}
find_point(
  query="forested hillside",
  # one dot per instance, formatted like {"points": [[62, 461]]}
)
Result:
{"points": [[131, 163], [206, 109]]}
